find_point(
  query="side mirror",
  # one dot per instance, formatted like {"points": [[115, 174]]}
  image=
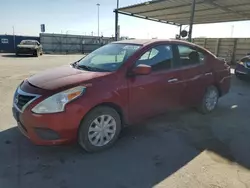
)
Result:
{"points": [[142, 69]]}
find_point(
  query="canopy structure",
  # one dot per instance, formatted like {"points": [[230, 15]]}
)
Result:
{"points": [[189, 12]]}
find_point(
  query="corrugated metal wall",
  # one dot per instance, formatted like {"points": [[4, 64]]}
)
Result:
{"points": [[232, 49], [66, 44], [7, 42]]}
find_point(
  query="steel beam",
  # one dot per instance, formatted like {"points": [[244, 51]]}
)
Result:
{"points": [[116, 25], [147, 18], [226, 9], [116, 20], [165, 8], [191, 21], [180, 30]]}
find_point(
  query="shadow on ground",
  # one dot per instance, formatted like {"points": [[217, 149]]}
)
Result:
{"points": [[144, 156], [19, 56]]}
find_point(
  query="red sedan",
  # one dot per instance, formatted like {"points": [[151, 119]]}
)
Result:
{"points": [[119, 84]]}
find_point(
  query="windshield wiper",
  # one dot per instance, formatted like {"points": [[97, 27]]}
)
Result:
{"points": [[85, 67], [74, 64], [94, 69]]}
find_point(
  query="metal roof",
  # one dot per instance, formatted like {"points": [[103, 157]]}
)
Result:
{"points": [[177, 12]]}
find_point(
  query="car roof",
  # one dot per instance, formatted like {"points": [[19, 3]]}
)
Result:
{"points": [[145, 42], [150, 41]]}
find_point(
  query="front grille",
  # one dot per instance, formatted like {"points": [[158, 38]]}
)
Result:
{"points": [[24, 50], [23, 100]]}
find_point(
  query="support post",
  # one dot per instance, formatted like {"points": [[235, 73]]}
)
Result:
{"points": [[116, 21], [14, 38], [205, 42], [233, 59], [191, 21], [217, 47], [98, 19], [180, 31]]}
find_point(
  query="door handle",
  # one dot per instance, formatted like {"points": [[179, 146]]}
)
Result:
{"points": [[208, 73], [172, 80]]}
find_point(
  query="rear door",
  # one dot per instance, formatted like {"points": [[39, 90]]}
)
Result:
{"points": [[196, 74], [154, 93]]}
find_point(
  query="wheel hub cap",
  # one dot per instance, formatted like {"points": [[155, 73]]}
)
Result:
{"points": [[211, 100], [102, 130]]}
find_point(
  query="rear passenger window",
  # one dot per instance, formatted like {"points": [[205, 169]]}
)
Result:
{"points": [[190, 56], [159, 58]]}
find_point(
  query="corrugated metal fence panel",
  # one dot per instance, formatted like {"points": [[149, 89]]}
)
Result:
{"points": [[226, 48], [7, 42], [61, 43], [232, 49], [211, 44], [242, 48]]}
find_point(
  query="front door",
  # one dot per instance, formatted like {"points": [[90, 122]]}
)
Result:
{"points": [[154, 93]]}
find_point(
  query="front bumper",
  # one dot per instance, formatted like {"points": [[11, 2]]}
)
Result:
{"points": [[25, 51], [241, 70], [47, 129], [50, 129]]}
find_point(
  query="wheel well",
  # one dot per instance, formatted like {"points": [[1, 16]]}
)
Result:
{"points": [[218, 88], [116, 107]]}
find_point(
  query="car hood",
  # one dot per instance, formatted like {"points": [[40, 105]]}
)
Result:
{"points": [[64, 76], [26, 46]]}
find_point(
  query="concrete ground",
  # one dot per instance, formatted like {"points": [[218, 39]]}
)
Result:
{"points": [[177, 150]]}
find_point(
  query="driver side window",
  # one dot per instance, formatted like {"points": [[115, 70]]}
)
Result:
{"points": [[159, 58]]}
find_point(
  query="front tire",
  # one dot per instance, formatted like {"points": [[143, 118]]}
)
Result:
{"points": [[99, 129], [36, 53], [238, 76], [210, 100]]}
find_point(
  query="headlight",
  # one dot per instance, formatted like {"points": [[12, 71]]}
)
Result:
{"points": [[57, 102], [241, 63]]}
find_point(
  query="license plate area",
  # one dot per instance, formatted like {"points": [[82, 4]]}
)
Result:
{"points": [[16, 115]]}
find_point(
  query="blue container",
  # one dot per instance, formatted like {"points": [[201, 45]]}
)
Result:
{"points": [[8, 44]]}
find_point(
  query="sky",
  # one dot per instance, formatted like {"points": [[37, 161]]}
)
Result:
{"points": [[80, 17]]}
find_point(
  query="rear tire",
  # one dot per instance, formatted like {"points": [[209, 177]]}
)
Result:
{"points": [[99, 129], [210, 100]]}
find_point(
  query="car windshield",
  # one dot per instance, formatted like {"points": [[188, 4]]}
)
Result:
{"points": [[28, 42], [108, 58]]}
